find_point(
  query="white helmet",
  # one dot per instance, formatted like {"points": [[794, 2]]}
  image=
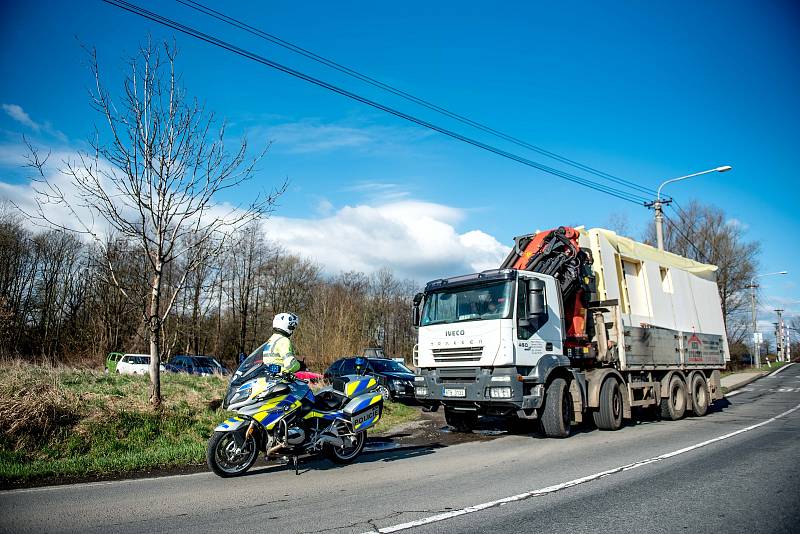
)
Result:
{"points": [[286, 323]]}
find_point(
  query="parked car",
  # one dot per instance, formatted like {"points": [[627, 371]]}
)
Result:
{"points": [[196, 365], [111, 361], [134, 364], [395, 380]]}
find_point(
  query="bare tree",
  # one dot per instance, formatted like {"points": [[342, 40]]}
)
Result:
{"points": [[153, 179]]}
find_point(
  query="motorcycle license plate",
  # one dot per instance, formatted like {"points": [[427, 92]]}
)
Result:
{"points": [[455, 392], [366, 416]]}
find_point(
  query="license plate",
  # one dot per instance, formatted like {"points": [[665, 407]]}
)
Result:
{"points": [[455, 392]]}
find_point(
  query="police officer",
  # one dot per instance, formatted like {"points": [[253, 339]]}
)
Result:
{"points": [[279, 349]]}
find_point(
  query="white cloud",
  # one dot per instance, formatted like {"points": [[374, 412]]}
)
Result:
{"points": [[310, 135], [417, 240], [736, 223], [18, 114]]}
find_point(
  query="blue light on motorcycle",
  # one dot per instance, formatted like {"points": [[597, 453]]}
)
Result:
{"points": [[361, 362], [274, 368]]}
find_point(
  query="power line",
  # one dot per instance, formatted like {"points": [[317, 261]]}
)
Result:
{"points": [[688, 241], [197, 6], [623, 195]]}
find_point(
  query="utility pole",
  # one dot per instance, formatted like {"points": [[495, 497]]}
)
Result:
{"points": [[781, 341], [756, 340], [756, 347], [659, 203]]}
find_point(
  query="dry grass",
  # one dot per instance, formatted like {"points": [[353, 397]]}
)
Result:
{"points": [[63, 423]]}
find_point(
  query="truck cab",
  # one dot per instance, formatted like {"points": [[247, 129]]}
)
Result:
{"points": [[484, 339]]}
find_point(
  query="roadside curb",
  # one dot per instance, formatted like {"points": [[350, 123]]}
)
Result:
{"points": [[745, 382]]}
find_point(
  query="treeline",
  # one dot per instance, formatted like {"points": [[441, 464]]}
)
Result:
{"points": [[60, 301]]}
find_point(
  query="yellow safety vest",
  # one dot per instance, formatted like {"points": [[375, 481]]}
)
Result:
{"points": [[280, 351]]}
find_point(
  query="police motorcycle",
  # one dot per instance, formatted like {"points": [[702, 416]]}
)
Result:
{"points": [[281, 416]]}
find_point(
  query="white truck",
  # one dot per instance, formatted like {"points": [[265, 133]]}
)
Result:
{"points": [[575, 322]]}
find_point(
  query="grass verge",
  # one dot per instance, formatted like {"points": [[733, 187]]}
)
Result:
{"points": [[61, 424]]}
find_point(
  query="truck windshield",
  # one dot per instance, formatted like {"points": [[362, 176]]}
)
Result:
{"points": [[468, 303]]}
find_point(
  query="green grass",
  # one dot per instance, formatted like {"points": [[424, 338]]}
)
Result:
{"points": [[66, 424], [394, 414]]}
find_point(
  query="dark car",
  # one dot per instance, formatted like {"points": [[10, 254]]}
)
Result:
{"points": [[395, 380], [196, 365]]}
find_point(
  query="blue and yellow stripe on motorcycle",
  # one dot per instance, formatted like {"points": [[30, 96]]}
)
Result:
{"points": [[230, 423], [275, 411], [323, 415], [368, 422], [375, 399], [359, 386]]}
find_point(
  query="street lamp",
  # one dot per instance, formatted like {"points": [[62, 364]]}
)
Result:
{"points": [[658, 204], [753, 286]]}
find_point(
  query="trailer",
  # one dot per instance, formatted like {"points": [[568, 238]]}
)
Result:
{"points": [[574, 323]]}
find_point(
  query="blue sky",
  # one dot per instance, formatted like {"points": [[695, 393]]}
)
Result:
{"points": [[641, 90]]}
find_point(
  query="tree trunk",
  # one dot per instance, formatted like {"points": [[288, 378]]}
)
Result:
{"points": [[154, 328]]}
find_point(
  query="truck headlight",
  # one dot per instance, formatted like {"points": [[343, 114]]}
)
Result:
{"points": [[500, 393], [421, 392]]}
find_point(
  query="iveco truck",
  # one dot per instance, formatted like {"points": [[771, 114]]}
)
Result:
{"points": [[575, 323]]}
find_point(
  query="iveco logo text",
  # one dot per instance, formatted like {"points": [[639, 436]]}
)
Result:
{"points": [[454, 333]]}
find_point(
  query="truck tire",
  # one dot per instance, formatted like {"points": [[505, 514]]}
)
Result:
{"points": [[673, 406], [609, 414], [557, 411], [700, 397], [461, 421]]}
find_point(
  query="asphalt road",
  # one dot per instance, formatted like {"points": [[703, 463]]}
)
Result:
{"points": [[735, 470]]}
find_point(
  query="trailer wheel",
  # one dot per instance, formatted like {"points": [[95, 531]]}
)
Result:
{"points": [[673, 406], [557, 411], [461, 421], [699, 395], [609, 415]]}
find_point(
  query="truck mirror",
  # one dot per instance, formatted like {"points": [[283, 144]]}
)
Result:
{"points": [[416, 314], [536, 306]]}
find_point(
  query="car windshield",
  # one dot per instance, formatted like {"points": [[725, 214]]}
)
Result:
{"points": [[391, 366], [205, 361], [468, 303]]}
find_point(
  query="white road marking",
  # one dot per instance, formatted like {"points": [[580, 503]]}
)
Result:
{"points": [[779, 369], [744, 390], [575, 482]]}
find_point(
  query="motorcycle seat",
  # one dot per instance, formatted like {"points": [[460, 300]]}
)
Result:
{"points": [[329, 399]]}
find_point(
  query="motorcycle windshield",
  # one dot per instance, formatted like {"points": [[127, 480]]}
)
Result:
{"points": [[256, 359]]}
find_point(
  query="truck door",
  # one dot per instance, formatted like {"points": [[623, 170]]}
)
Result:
{"points": [[540, 336]]}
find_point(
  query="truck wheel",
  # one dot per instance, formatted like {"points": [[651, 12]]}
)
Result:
{"points": [[609, 414], [673, 406], [461, 421], [557, 411], [699, 391]]}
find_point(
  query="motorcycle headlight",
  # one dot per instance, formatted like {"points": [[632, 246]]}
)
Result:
{"points": [[240, 395]]}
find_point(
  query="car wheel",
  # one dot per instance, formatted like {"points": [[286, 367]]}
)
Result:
{"points": [[385, 393]]}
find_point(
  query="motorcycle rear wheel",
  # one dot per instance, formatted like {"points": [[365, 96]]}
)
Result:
{"points": [[345, 455], [224, 460]]}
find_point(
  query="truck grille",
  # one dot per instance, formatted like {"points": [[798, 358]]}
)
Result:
{"points": [[457, 354]]}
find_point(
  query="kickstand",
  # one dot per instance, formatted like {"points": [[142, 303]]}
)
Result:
{"points": [[296, 462]]}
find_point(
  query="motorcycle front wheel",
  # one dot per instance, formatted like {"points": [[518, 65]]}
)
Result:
{"points": [[224, 457], [345, 455]]}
